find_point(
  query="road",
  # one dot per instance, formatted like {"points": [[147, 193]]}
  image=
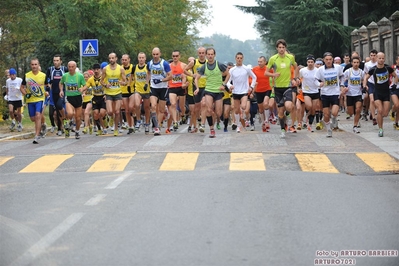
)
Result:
{"points": [[184, 199]]}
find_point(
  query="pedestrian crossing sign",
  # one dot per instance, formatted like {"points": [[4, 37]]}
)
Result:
{"points": [[89, 47]]}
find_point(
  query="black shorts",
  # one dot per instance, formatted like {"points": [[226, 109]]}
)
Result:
{"points": [[294, 90], [329, 100], [383, 96], [190, 99], [227, 101], [75, 101], [126, 95], [161, 93], [84, 105], [260, 96], [15, 104], [282, 95], [395, 92], [352, 100], [216, 96], [238, 96], [98, 102], [178, 91], [200, 95], [313, 96]]}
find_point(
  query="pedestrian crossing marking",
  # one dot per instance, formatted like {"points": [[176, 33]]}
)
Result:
{"points": [[46, 163], [4, 159], [179, 162], [247, 162], [89, 49], [379, 162], [111, 162], [311, 162]]}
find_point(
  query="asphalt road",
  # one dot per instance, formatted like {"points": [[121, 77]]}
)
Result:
{"points": [[276, 208]]}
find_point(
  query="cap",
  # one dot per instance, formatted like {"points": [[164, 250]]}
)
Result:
{"points": [[96, 66], [104, 64], [337, 58], [90, 72], [12, 71]]}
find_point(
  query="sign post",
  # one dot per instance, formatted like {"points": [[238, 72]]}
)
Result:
{"points": [[88, 47]]}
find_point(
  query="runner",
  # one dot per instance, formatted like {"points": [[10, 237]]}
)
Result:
{"points": [[128, 96], [380, 74], [113, 77], [354, 77], [71, 87], [200, 106], [330, 77], [87, 106], [263, 91], [226, 101], [238, 84], [34, 91], [14, 99], [177, 88], [310, 89], [141, 96], [279, 67], [395, 96], [213, 71], [370, 84], [160, 73]]}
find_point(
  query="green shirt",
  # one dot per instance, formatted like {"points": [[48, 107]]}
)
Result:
{"points": [[214, 78], [72, 83], [283, 66]]}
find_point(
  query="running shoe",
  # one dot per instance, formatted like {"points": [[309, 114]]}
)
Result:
{"points": [[201, 128], [167, 131], [310, 128], [116, 132], [52, 129], [213, 134], [36, 140], [238, 129], [189, 129], [66, 132], [225, 129], [99, 132], [392, 116], [299, 127], [175, 126], [319, 126], [12, 126], [120, 130], [157, 132], [85, 130], [43, 130], [282, 134], [374, 121], [105, 131], [90, 129], [233, 126], [137, 126], [147, 129], [267, 126], [77, 135], [252, 128], [19, 127], [381, 132], [264, 127], [246, 123], [59, 133], [396, 126], [130, 130], [292, 129], [329, 133], [218, 126], [356, 130], [194, 130]]}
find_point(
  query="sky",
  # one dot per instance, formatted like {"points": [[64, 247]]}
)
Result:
{"points": [[229, 20]]}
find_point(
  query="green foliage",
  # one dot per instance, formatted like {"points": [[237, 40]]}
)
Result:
{"points": [[121, 26]]}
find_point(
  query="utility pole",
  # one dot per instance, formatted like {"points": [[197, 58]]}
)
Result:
{"points": [[345, 12]]}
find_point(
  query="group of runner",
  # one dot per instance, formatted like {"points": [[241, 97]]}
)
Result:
{"points": [[148, 93]]}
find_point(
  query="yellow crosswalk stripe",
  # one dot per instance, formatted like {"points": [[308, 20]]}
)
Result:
{"points": [[179, 161], [111, 162], [379, 162], [311, 162], [247, 162], [46, 163], [4, 159]]}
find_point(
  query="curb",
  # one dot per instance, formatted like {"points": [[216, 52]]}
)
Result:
{"points": [[23, 135]]}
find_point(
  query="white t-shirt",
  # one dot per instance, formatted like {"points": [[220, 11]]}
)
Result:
{"points": [[355, 79], [14, 89], [332, 78], [239, 76], [367, 66], [309, 82]]}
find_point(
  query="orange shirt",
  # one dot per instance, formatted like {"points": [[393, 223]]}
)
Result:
{"points": [[263, 82], [177, 76]]}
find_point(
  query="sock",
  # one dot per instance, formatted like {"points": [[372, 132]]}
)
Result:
{"points": [[226, 122], [210, 120], [154, 119], [311, 118], [237, 117], [282, 122], [267, 115], [317, 114], [328, 127]]}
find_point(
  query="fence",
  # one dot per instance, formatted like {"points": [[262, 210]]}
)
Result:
{"points": [[382, 36]]}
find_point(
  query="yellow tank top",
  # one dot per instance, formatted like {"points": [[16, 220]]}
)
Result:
{"points": [[190, 84], [140, 77], [128, 73], [35, 87], [113, 77], [196, 67]]}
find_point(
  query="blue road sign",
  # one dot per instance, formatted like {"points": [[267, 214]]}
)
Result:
{"points": [[89, 47]]}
